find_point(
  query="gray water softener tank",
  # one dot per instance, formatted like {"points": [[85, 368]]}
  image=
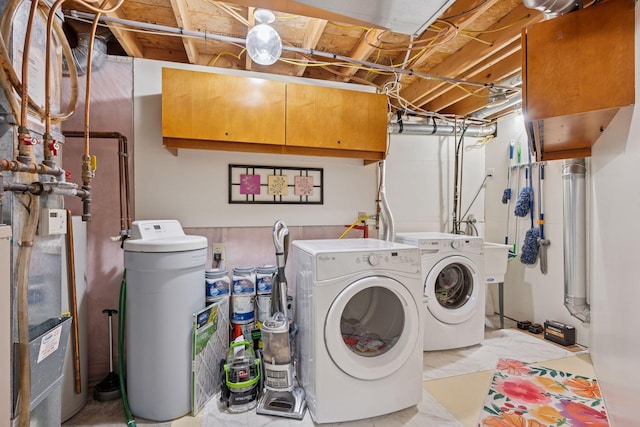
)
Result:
{"points": [[165, 286]]}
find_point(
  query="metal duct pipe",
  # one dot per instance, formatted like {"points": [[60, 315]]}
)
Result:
{"points": [[478, 131], [553, 8], [490, 110], [388, 227], [80, 53], [575, 239]]}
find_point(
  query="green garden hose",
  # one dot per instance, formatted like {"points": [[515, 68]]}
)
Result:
{"points": [[121, 317]]}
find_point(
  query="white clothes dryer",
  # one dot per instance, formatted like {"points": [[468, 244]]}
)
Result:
{"points": [[360, 327], [454, 288]]}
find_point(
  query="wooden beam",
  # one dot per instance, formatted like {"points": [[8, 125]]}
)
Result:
{"points": [[311, 38], [251, 20], [294, 8], [474, 53], [460, 19], [127, 39], [181, 12], [361, 51], [498, 67]]}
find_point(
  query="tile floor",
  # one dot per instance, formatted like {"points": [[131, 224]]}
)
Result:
{"points": [[445, 374]]}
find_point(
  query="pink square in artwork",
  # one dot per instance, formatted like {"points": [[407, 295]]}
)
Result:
{"points": [[303, 186], [249, 184]]}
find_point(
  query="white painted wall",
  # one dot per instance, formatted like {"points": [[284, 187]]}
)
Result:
{"points": [[193, 187], [528, 294], [615, 245], [419, 181]]}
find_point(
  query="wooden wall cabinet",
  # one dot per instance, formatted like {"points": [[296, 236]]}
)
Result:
{"points": [[330, 118], [199, 107], [578, 71], [223, 112]]}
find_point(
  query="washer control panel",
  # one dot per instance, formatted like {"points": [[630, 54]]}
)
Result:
{"points": [[335, 264]]}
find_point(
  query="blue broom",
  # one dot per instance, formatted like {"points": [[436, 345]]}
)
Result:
{"points": [[529, 253]]}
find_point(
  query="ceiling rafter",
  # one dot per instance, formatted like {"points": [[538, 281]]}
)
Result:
{"points": [[311, 39], [251, 21], [443, 73], [499, 71], [473, 53], [502, 64], [461, 22], [181, 12], [361, 52], [128, 41]]}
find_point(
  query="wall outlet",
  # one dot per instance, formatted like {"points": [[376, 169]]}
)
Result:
{"points": [[219, 254]]}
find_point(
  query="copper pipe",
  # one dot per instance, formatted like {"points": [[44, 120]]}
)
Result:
{"points": [[47, 75], [9, 80], [127, 196], [122, 159], [73, 304], [123, 166], [25, 63]]}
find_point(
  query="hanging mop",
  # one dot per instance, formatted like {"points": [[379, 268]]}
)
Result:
{"points": [[506, 196], [529, 252], [542, 242], [523, 203]]}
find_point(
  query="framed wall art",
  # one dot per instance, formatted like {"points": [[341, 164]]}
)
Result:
{"points": [[275, 184]]}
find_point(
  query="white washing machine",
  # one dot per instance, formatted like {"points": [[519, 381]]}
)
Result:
{"points": [[454, 288], [360, 327]]}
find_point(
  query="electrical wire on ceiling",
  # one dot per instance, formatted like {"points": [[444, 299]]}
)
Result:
{"points": [[78, 15]]}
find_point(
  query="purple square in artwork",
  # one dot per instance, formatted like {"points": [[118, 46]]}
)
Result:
{"points": [[249, 184]]}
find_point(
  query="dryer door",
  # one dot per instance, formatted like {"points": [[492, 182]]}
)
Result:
{"points": [[453, 289], [372, 327]]}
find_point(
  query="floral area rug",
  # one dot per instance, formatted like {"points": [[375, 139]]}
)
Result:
{"points": [[526, 395]]}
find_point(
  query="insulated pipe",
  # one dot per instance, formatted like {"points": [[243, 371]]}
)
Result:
{"points": [[473, 131], [553, 8], [575, 239], [25, 247]]}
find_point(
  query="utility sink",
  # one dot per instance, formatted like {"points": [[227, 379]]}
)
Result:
{"points": [[496, 256]]}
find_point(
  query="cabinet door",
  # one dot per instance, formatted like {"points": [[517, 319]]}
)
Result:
{"points": [[220, 107], [578, 70], [322, 117]]}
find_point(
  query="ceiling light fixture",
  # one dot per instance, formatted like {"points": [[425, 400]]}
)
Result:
{"points": [[264, 44]]}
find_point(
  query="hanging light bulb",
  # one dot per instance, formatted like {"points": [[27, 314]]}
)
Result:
{"points": [[263, 41]]}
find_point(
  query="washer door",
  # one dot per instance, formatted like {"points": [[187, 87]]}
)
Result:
{"points": [[452, 288], [372, 327]]}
